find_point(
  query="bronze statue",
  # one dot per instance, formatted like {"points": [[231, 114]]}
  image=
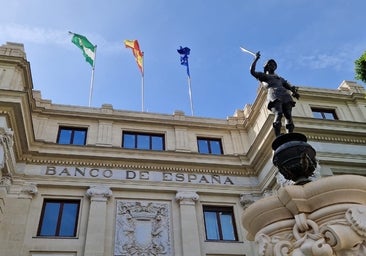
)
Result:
{"points": [[280, 101]]}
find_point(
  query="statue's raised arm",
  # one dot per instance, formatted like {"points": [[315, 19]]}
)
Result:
{"points": [[253, 66]]}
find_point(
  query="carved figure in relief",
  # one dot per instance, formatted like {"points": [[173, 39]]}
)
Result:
{"points": [[128, 228], [156, 233]]}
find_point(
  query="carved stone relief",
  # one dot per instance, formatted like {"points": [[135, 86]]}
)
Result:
{"points": [[29, 189], [7, 157], [142, 229], [6, 181], [340, 237]]}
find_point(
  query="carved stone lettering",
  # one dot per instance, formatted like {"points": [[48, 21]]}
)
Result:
{"points": [[142, 175]]}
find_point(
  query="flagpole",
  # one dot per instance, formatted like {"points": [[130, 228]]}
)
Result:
{"points": [[142, 82], [189, 87], [92, 77], [190, 94]]}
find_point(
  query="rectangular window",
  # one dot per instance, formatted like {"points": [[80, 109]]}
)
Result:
{"points": [[324, 113], [59, 218], [209, 146], [71, 136], [219, 223], [146, 141]]}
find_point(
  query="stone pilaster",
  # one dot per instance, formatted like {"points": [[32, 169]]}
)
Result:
{"points": [[189, 225], [17, 206], [105, 134], [99, 196]]}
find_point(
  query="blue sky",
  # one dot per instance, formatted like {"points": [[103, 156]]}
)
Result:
{"points": [[315, 43]]}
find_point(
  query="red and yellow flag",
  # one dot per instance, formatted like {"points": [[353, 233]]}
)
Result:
{"points": [[134, 45]]}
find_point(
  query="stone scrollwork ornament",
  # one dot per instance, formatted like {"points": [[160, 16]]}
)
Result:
{"points": [[186, 197], [345, 237], [356, 216], [99, 192], [30, 188], [276, 245]]}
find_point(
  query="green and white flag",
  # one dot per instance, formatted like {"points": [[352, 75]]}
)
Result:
{"points": [[87, 47]]}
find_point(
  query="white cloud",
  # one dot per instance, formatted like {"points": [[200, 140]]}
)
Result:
{"points": [[26, 34], [339, 57], [38, 35], [322, 61]]}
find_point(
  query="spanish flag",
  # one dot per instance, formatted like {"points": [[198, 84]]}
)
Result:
{"points": [[134, 45]]}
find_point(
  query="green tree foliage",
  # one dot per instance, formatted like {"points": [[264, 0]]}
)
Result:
{"points": [[360, 68]]}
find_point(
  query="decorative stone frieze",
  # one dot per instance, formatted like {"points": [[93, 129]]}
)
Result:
{"points": [[326, 217], [99, 193], [186, 197], [142, 228]]}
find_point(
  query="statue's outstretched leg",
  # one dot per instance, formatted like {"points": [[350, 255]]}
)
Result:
{"points": [[277, 110], [288, 116], [277, 128]]}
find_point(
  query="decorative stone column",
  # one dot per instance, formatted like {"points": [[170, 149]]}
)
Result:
{"points": [[189, 225], [326, 217], [95, 235]]}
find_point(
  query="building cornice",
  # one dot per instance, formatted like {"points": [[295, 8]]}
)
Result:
{"points": [[107, 113]]}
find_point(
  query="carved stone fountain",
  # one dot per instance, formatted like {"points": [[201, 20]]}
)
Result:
{"points": [[326, 217]]}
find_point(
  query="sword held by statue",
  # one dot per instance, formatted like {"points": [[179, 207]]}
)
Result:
{"points": [[247, 51]]}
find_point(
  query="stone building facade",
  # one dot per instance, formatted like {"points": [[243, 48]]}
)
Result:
{"points": [[99, 181]]}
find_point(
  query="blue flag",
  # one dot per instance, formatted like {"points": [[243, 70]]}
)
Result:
{"points": [[184, 52]]}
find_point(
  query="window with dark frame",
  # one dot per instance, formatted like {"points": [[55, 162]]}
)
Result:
{"points": [[148, 141], [219, 223], [59, 218], [324, 113], [71, 135], [209, 146]]}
